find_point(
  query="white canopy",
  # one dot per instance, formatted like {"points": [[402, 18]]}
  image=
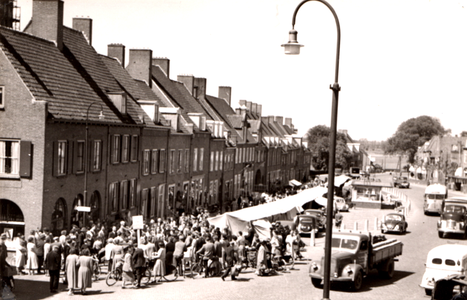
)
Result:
{"points": [[238, 220], [294, 182]]}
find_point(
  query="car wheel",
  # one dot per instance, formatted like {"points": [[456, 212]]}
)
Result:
{"points": [[440, 234], [358, 281], [428, 292], [389, 269]]}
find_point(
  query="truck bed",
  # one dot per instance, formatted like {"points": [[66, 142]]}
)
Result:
{"points": [[384, 250]]}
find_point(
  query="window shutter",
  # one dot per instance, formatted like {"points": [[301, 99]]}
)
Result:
{"points": [[25, 161], [55, 159]]}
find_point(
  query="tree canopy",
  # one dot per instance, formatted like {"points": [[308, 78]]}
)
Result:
{"points": [[412, 134], [318, 138]]}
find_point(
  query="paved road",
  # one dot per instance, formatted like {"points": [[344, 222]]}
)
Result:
{"points": [[294, 284]]}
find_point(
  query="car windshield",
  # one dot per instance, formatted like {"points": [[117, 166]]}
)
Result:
{"points": [[455, 209], [436, 196], [344, 243], [393, 218]]}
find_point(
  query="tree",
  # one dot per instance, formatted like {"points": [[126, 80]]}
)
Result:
{"points": [[318, 138], [463, 133], [412, 134]]}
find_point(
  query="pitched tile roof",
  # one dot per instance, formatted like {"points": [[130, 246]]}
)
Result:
{"points": [[51, 77], [91, 65]]}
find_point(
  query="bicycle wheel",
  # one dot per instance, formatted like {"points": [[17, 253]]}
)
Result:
{"points": [[146, 278], [112, 278], [96, 272], [171, 276]]}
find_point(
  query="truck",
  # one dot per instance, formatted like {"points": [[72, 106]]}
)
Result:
{"points": [[354, 255], [433, 201]]}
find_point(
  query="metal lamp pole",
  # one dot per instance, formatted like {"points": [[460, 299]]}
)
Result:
{"points": [[293, 47], [85, 194]]}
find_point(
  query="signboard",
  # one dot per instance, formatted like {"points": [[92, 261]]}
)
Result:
{"points": [[83, 208], [138, 222]]}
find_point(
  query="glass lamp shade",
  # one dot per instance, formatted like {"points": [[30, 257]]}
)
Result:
{"points": [[101, 116], [292, 47]]}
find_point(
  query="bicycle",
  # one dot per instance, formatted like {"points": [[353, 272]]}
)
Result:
{"points": [[114, 275], [171, 274]]}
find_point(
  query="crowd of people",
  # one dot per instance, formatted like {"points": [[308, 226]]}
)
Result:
{"points": [[163, 246]]}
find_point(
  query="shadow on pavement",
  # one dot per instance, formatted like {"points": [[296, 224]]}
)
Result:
{"points": [[26, 289]]}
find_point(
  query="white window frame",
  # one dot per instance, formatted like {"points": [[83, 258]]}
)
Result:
{"points": [[62, 157], [15, 158]]}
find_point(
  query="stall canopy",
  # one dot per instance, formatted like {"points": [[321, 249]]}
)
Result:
{"points": [[294, 182], [238, 220]]}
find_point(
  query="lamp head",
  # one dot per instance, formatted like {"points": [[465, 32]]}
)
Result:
{"points": [[292, 47], [101, 115]]}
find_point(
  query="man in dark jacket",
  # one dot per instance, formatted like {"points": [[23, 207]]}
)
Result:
{"points": [[54, 261], [139, 264]]}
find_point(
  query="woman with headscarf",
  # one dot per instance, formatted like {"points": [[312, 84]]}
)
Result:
{"points": [[159, 267], [71, 270]]}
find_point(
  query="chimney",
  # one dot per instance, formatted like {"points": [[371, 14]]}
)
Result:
{"points": [[47, 20], [188, 81], [259, 110], [139, 65], [242, 102], [117, 51], [279, 120], [265, 120], [225, 92], [85, 26], [288, 122], [270, 119], [200, 86], [254, 108], [163, 63], [6, 13], [248, 106]]}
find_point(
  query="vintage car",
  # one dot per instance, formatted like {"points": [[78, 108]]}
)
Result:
{"points": [[433, 201], [453, 219], [341, 204], [394, 222], [319, 215], [443, 261], [307, 224], [401, 182]]}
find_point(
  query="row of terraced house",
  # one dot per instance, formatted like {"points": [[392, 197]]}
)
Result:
{"points": [[86, 136]]}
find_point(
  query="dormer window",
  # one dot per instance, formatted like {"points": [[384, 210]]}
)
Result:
{"points": [[119, 100]]}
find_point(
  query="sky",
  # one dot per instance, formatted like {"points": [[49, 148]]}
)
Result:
{"points": [[399, 59]]}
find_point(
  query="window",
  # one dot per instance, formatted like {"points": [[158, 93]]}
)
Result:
{"points": [[113, 197], [146, 156], [132, 194], [61, 158], [180, 161], [134, 148], [2, 97], [144, 202], [172, 161], [9, 158], [124, 194], [116, 149], [79, 156], [125, 148], [216, 166], [96, 155], [201, 158], [162, 161], [221, 159], [154, 160], [195, 159], [161, 199], [153, 202], [211, 162], [187, 160]]}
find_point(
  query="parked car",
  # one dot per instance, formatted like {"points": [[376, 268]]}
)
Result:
{"points": [[394, 222], [306, 224], [319, 215], [401, 182], [453, 219], [341, 204], [443, 261]]}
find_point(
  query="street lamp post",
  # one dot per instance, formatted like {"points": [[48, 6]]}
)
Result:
{"points": [[85, 164], [293, 47]]}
